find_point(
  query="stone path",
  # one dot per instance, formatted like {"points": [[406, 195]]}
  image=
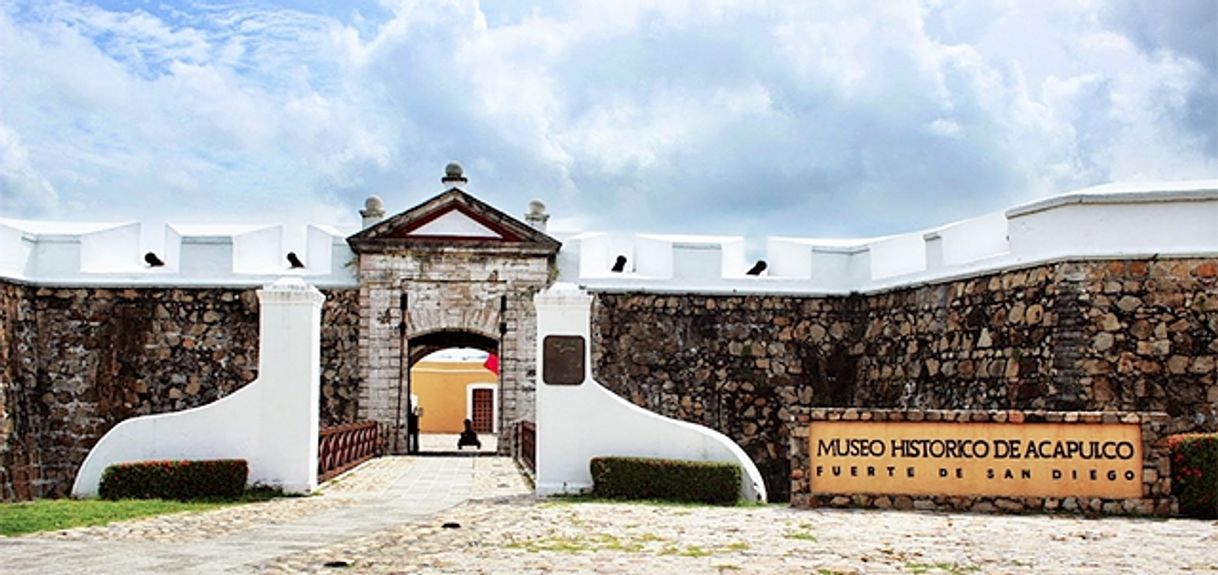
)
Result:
{"points": [[447, 442], [390, 492], [388, 516], [527, 536]]}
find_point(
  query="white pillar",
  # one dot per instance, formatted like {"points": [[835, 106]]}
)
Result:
{"points": [[562, 310], [289, 368]]}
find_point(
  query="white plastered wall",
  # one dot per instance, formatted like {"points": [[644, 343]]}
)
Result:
{"points": [[93, 254], [15, 249], [1175, 219], [272, 422], [1089, 226], [578, 422], [113, 250]]}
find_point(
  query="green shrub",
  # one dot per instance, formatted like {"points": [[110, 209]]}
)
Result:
{"points": [[180, 480], [667, 479], [1194, 473]]}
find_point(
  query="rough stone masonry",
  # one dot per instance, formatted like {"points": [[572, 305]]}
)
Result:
{"points": [[1118, 335], [77, 361]]}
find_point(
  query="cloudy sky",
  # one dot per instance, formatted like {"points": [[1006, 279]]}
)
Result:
{"points": [[752, 117]]}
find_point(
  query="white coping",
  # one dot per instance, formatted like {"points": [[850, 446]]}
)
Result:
{"points": [[579, 422], [272, 422], [1111, 221], [1114, 193], [1174, 219], [96, 254]]}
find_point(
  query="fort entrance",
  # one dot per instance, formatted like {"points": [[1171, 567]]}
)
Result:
{"points": [[454, 379], [450, 272]]}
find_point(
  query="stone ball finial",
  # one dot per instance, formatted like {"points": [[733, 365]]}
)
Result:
{"points": [[374, 204], [373, 212], [454, 175], [537, 216]]}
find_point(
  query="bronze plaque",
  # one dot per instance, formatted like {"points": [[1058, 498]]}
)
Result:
{"points": [[562, 360]]}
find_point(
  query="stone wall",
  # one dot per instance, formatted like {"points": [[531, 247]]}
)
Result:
{"points": [[734, 364], [1099, 335], [340, 380], [100, 356], [19, 464], [1110, 335]]}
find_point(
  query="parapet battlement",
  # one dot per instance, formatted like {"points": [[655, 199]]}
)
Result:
{"points": [[1174, 219]]}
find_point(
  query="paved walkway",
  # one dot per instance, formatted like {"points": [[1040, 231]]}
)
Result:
{"points": [[525, 536], [447, 442], [416, 489], [387, 516]]}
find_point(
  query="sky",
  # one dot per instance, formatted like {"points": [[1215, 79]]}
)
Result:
{"points": [[833, 118]]}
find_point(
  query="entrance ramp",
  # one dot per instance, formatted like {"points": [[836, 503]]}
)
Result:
{"points": [[578, 419], [272, 422]]}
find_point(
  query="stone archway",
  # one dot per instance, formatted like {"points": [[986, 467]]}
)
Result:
{"points": [[420, 347], [423, 345], [452, 269]]}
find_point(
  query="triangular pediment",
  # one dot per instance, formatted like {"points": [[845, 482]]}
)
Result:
{"points": [[452, 218], [454, 223]]}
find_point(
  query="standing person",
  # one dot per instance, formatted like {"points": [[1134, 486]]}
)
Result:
{"points": [[412, 429]]}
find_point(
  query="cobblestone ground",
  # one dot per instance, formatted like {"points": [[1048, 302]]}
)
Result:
{"points": [[508, 531], [371, 478], [503, 529]]}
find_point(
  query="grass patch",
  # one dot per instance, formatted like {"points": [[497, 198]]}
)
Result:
{"points": [[691, 551], [553, 544], [801, 536], [56, 514], [586, 543], [948, 568]]}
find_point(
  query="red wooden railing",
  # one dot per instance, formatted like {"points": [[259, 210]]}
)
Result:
{"points": [[342, 447], [526, 444]]}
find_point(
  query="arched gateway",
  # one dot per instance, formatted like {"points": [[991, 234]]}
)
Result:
{"points": [[450, 272]]}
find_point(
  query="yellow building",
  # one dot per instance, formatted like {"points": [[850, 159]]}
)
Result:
{"points": [[449, 392]]}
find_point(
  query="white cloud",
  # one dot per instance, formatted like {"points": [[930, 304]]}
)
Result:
{"points": [[945, 128], [22, 188], [710, 116]]}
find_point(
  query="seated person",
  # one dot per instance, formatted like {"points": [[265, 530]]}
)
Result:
{"points": [[469, 437]]}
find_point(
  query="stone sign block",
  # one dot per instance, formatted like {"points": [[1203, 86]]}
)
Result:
{"points": [[996, 459]]}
